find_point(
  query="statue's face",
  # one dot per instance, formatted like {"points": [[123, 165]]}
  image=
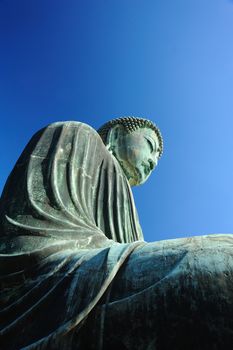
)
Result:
{"points": [[137, 153]]}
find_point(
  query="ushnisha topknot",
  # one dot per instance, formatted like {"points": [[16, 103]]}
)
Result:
{"points": [[131, 124]]}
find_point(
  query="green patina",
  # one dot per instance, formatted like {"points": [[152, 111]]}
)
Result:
{"points": [[75, 270]]}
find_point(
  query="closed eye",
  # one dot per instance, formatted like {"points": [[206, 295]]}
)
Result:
{"points": [[150, 144]]}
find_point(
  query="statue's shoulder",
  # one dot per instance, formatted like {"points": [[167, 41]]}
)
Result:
{"points": [[71, 124], [69, 128], [61, 135]]}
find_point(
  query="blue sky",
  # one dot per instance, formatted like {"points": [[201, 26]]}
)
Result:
{"points": [[93, 60]]}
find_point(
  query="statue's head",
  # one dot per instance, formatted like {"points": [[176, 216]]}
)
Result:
{"points": [[136, 143]]}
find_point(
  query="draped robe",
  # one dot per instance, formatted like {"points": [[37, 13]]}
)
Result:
{"points": [[64, 206], [75, 272]]}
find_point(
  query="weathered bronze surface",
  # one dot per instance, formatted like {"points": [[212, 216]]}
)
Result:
{"points": [[75, 271]]}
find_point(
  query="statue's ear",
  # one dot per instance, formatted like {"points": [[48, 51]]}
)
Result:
{"points": [[113, 135]]}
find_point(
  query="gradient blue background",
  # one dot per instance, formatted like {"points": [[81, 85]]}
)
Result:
{"points": [[170, 61]]}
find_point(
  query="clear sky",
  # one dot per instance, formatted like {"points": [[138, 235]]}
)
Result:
{"points": [[93, 60]]}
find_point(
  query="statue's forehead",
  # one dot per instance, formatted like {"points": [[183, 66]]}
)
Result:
{"points": [[147, 132]]}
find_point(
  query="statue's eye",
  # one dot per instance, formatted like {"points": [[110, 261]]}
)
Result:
{"points": [[150, 144]]}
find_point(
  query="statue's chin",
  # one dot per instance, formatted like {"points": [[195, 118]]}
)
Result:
{"points": [[139, 177], [135, 175]]}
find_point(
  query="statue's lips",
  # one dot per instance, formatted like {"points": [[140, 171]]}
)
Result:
{"points": [[142, 172], [147, 168]]}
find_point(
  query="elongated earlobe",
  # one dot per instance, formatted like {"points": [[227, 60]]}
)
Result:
{"points": [[112, 137], [109, 141]]}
